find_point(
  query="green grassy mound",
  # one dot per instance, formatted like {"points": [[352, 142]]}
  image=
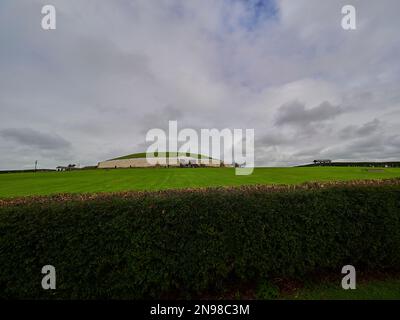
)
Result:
{"points": [[163, 154]]}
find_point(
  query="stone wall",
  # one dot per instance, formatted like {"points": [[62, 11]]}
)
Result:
{"points": [[143, 163]]}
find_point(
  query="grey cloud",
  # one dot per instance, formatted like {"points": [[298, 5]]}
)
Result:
{"points": [[272, 139], [394, 140], [366, 129], [365, 145], [295, 113], [369, 128], [32, 138], [364, 148], [309, 152], [159, 119]]}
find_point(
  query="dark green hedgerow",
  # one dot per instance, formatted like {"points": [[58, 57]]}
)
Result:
{"points": [[182, 244]]}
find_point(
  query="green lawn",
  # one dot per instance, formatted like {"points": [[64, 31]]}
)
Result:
{"points": [[87, 181], [388, 289]]}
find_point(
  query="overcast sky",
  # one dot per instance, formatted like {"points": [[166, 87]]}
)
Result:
{"points": [[91, 89]]}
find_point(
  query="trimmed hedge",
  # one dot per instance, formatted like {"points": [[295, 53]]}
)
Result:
{"points": [[179, 244]]}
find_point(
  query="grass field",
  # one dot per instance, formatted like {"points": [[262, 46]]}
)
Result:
{"points": [[89, 181], [387, 289], [378, 287]]}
